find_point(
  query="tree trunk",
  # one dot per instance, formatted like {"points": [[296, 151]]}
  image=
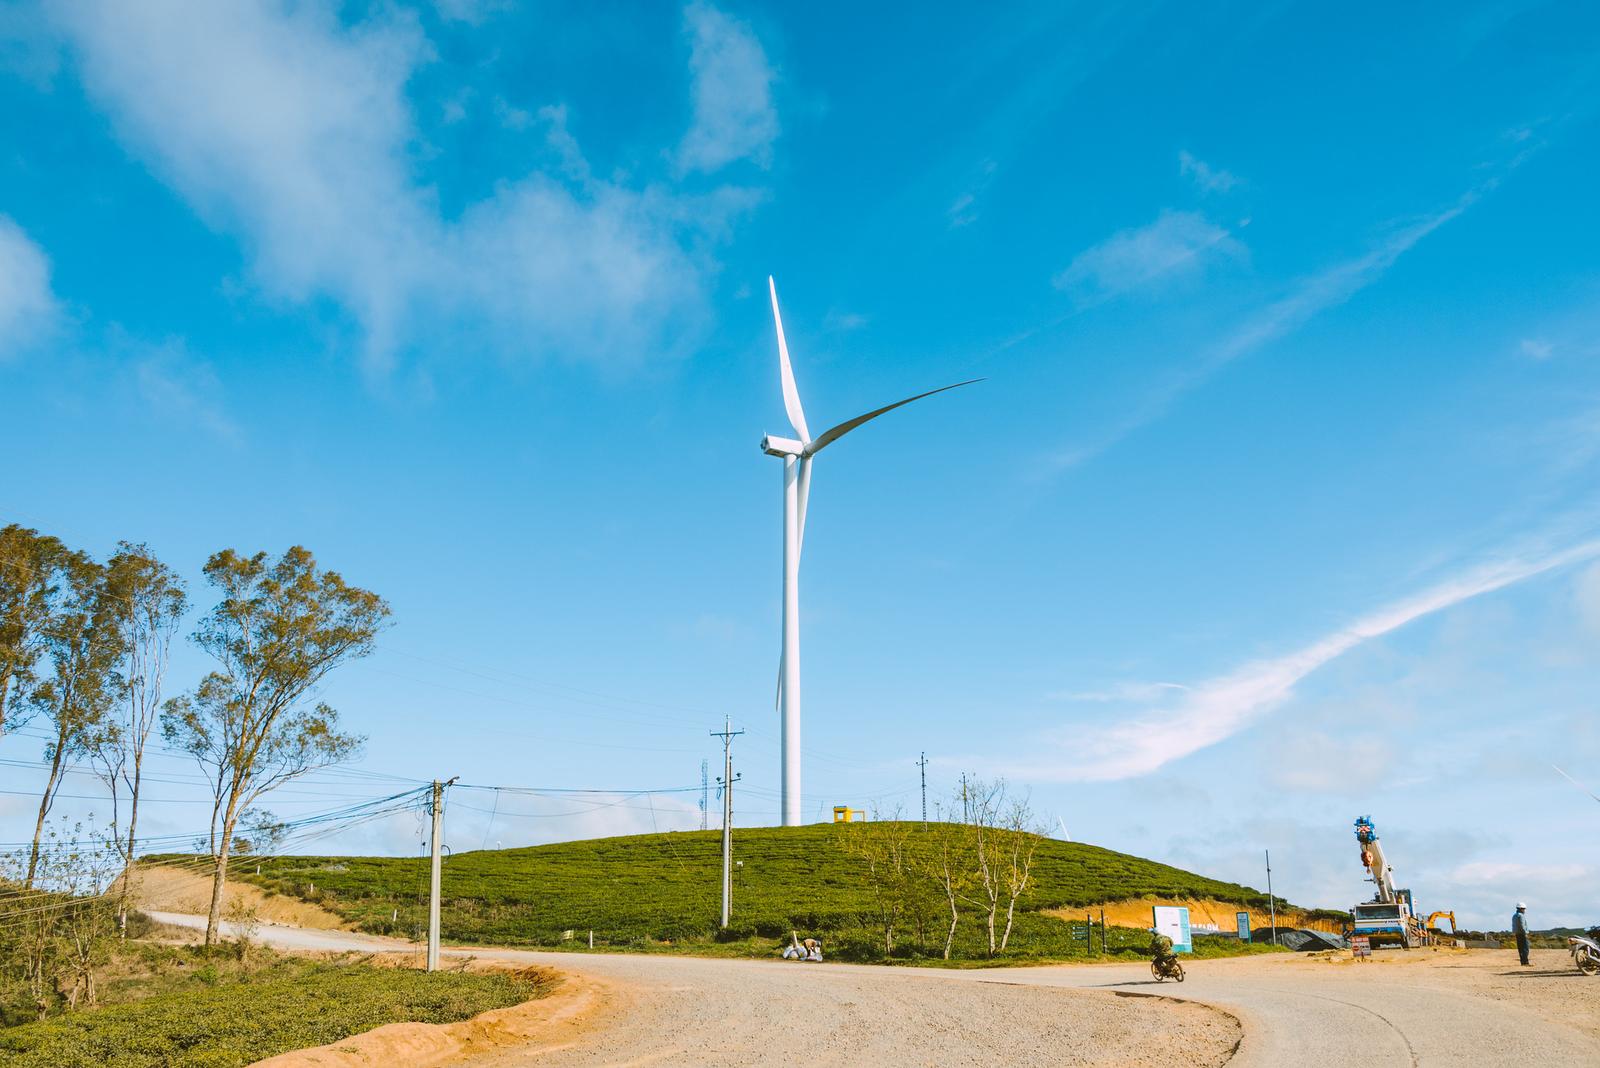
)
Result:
{"points": [[1011, 908], [127, 870], [950, 936], [214, 919], [45, 800]]}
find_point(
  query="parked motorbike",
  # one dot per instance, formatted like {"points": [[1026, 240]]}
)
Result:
{"points": [[1586, 951], [1167, 968]]}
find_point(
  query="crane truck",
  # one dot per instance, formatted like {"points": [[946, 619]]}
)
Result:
{"points": [[1390, 917]]}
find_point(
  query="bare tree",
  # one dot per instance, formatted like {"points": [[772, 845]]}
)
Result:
{"points": [[29, 574], [1019, 840], [949, 863], [882, 844], [55, 939], [280, 627], [984, 803], [150, 601], [82, 640]]}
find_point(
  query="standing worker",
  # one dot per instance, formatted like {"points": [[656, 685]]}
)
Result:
{"points": [[1519, 927]]}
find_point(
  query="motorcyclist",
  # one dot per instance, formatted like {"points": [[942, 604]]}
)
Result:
{"points": [[1161, 950]]}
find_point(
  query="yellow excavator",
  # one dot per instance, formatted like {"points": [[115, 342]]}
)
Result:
{"points": [[1432, 924]]}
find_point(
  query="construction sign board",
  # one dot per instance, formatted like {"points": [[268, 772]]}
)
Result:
{"points": [[1243, 919], [1360, 946], [1173, 921]]}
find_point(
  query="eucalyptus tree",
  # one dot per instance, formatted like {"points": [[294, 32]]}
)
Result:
{"points": [[279, 629], [30, 565], [81, 638], [149, 600]]}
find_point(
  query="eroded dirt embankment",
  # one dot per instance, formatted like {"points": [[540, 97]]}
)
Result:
{"points": [[163, 888], [1135, 912], [532, 1029]]}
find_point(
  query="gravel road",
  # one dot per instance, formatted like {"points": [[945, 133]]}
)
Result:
{"points": [[1473, 1008]]}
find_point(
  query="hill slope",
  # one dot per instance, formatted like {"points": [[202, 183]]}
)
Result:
{"points": [[655, 888]]}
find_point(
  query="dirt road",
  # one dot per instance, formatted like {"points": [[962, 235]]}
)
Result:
{"points": [[1473, 1008]]}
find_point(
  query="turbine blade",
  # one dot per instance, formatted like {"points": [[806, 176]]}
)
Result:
{"points": [[803, 492], [791, 393], [828, 437]]}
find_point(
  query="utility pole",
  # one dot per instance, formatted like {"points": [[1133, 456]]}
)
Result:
{"points": [[433, 897], [727, 734], [1272, 902], [923, 764], [965, 816]]}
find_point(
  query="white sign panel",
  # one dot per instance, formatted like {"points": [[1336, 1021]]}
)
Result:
{"points": [[1173, 921]]}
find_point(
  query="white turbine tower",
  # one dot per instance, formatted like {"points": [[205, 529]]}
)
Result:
{"points": [[797, 454]]}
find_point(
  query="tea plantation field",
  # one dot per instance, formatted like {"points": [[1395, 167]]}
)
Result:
{"points": [[659, 890]]}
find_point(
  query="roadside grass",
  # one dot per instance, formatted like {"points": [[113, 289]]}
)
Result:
{"points": [[660, 892], [180, 1007]]}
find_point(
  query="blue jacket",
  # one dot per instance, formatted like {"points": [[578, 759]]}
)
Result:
{"points": [[1519, 924]]}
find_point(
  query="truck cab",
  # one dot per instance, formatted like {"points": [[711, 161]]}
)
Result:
{"points": [[1387, 923]]}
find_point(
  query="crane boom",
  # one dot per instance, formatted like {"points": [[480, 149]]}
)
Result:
{"points": [[1373, 860]]}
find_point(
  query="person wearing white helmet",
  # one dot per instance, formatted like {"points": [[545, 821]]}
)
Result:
{"points": [[1519, 928]]}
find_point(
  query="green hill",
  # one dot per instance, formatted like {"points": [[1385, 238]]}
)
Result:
{"points": [[644, 891]]}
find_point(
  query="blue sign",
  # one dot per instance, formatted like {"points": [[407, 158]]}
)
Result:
{"points": [[1244, 926]]}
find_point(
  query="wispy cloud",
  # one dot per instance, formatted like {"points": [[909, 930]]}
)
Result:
{"points": [[28, 308], [1209, 179], [963, 211], [1177, 243], [1536, 348], [1147, 738], [294, 131], [1304, 300], [732, 92]]}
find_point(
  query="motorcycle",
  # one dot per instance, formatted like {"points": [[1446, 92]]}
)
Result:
{"points": [[1586, 951], [1167, 968]]}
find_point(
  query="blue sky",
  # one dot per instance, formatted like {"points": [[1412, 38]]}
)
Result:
{"points": [[1276, 508]]}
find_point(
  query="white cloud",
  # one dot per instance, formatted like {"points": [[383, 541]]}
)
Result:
{"points": [[1209, 179], [1304, 301], [27, 306], [1536, 348], [732, 93], [1331, 287], [295, 131], [1216, 709], [1176, 243], [963, 211]]}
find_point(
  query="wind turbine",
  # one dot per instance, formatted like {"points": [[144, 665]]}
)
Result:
{"points": [[796, 454]]}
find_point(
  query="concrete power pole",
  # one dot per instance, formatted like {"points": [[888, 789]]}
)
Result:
{"points": [[923, 764], [727, 734], [433, 897]]}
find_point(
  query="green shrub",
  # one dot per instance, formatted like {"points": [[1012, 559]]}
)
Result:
{"points": [[242, 1019]]}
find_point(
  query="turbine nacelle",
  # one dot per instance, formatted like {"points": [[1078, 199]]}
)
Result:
{"points": [[775, 446]]}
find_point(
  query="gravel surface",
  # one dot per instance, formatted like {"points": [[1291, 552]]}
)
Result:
{"points": [[1471, 1007], [687, 1011]]}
